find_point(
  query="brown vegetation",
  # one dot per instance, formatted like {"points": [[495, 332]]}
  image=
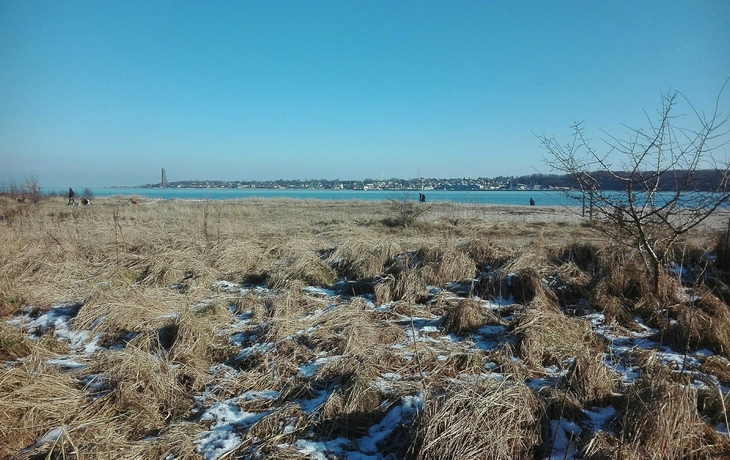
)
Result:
{"points": [[190, 304]]}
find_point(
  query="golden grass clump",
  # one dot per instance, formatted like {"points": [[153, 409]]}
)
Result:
{"points": [[590, 381], [354, 402], [407, 286], [490, 420], [485, 253], [547, 338], [353, 329], [717, 366], [363, 256], [467, 316], [147, 392], [282, 426], [13, 343], [310, 269], [661, 421], [445, 264], [36, 399], [706, 324], [197, 342], [243, 261]]}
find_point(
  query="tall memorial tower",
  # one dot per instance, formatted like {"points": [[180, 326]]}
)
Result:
{"points": [[164, 182]]}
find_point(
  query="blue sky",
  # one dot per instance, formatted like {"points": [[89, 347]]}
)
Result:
{"points": [[97, 93]]}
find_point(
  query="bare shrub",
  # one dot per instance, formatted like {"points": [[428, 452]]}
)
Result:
{"points": [[662, 158], [404, 211]]}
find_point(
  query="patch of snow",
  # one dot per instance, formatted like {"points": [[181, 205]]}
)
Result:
{"points": [[319, 291], [563, 432], [307, 370]]}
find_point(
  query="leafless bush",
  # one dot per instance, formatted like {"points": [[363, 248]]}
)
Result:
{"points": [[663, 158]]}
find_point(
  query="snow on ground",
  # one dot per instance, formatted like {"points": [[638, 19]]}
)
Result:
{"points": [[226, 420]]}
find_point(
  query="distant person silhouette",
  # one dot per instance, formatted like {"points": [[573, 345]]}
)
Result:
{"points": [[71, 195], [421, 197], [532, 202]]}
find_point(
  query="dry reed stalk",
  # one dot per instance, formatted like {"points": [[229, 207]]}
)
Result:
{"points": [[492, 420]]}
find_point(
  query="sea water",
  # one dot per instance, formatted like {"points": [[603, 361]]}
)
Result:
{"points": [[503, 197]]}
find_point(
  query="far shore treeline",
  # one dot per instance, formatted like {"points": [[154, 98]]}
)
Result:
{"points": [[701, 180]]}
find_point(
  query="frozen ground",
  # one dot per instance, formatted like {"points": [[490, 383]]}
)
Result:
{"points": [[224, 420]]}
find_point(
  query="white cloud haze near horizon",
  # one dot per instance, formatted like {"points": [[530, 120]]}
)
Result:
{"points": [[98, 94]]}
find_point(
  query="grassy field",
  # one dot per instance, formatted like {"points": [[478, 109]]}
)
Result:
{"points": [[297, 329]]}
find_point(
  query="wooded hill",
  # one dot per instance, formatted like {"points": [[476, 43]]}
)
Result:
{"points": [[704, 180]]}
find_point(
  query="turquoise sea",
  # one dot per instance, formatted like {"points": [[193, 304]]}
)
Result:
{"points": [[542, 198]]}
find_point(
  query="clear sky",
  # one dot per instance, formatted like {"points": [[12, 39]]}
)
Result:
{"points": [[98, 93]]}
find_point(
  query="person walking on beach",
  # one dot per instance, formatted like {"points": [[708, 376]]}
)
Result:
{"points": [[71, 195]]}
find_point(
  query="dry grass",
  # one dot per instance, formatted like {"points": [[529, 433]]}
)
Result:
{"points": [[661, 420], [549, 338], [145, 273], [468, 315], [491, 420]]}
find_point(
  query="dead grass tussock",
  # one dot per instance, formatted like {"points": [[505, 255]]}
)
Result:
{"points": [[717, 366], [486, 253], [706, 324], [661, 421], [13, 343], [354, 401], [282, 426], [408, 285], [590, 381], [467, 317], [364, 256], [297, 258], [197, 342], [550, 338], [289, 312], [353, 329], [110, 309], [241, 260], [146, 391], [492, 420], [37, 399], [509, 365], [445, 264]]}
